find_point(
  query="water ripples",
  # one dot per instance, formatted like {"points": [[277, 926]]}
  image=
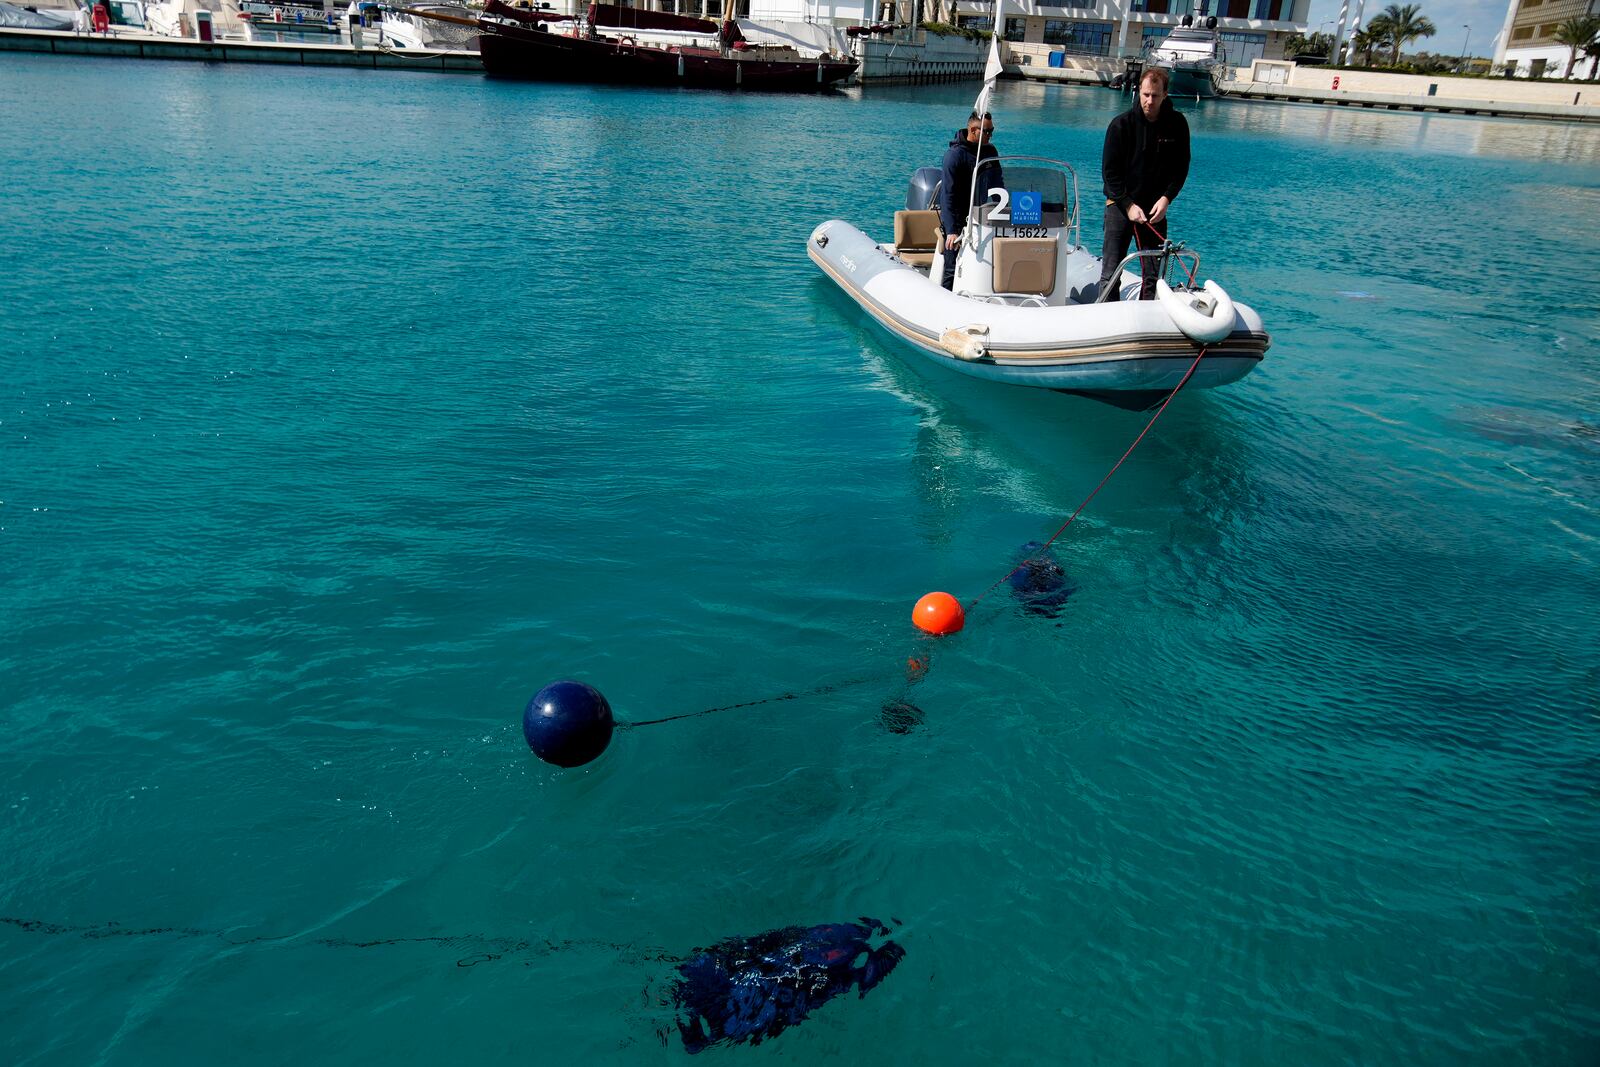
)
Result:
{"points": [[375, 426]]}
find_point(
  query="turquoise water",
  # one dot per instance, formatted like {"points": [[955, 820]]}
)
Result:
{"points": [[341, 411]]}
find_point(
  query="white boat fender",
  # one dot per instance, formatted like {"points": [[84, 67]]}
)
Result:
{"points": [[1205, 314], [966, 342]]}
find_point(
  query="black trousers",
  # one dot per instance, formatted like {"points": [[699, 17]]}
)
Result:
{"points": [[1119, 231]]}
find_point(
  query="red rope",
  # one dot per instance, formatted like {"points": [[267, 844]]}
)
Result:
{"points": [[1161, 237], [1115, 467]]}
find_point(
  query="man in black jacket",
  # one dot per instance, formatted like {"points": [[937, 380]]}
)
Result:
{"points": [[1145, 161], [955, 184]]}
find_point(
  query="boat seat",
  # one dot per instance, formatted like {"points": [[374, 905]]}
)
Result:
{"points": [[916, 235], [1025, 265]]}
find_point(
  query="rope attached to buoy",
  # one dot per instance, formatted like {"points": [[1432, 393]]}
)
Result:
{"points": [[474, 948], [1114, 468], [569, 724], [918, 666], [817, 691]]}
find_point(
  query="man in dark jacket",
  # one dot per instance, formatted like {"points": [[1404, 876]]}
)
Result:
{"points": [[955, 183], [1145, 161]]}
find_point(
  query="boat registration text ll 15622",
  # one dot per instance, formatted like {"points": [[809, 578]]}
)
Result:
{"points": [[1021, 231]]}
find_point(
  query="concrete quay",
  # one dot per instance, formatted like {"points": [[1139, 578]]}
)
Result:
{"points": [[1411, 102], [924, 58], [149, 46], [1280, 81], [1092, 72]]}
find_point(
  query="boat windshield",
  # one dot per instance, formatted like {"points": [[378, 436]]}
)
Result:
{"points": [[1050, 185]]}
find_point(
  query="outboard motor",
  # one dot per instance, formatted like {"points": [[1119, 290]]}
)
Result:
{"points": [[924, 183]]}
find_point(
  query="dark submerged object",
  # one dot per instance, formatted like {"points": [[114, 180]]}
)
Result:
{"points": [[752, 988], [900, 716], [568, 723], [517, 44], [1039, 582]]}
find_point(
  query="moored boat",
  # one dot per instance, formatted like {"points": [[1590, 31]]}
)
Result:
{"points": [[286, 20], [1027, 309], [29, 17], [414, 26], [639, 47], [1194, 56]]}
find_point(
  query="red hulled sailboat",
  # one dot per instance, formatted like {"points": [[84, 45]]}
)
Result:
{"points": [[638, 47]]}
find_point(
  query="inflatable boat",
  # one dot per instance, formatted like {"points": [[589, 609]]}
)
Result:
{"points": [[1027, 308]]}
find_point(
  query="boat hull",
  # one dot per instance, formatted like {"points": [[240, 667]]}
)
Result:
{"points": [[1191, 81], [515, 51], [1127, 349]]}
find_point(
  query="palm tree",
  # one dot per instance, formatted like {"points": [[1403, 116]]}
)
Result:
{"points": [[1405, 25], [1578, 33], [1374, 35], [1298, 44]]}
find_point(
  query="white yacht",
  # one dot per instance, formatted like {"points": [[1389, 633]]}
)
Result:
{"points": [[287, 20], [30, 17], [415, 27], [1194, 56]]}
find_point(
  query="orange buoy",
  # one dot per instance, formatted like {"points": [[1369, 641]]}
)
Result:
{"points": [[939, 613]]}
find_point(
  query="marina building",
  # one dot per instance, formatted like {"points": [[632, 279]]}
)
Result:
{"points": [[1527, 45], [1249, 29]]}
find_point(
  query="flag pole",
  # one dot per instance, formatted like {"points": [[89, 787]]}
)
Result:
{"points": [[991, 71]]}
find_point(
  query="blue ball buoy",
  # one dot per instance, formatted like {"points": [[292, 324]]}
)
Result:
{"points": [[1039, 582], [568, 723]]}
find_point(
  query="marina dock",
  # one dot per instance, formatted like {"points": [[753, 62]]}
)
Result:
{"points": [[1408, 102], [149, 46], [1280, 81], [1383, 101], [883, 63]]}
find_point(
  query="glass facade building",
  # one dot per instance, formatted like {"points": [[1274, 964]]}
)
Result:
{"points": [[1088, 38]]}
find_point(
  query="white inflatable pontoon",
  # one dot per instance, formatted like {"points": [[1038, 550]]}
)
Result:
{"points": [[1026, 307]]}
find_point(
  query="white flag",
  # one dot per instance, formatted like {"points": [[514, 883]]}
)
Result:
{"points": [[993, 68]]}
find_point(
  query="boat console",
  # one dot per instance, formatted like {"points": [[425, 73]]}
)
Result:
{"points": [[1017, 247], [1021, 245]]}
